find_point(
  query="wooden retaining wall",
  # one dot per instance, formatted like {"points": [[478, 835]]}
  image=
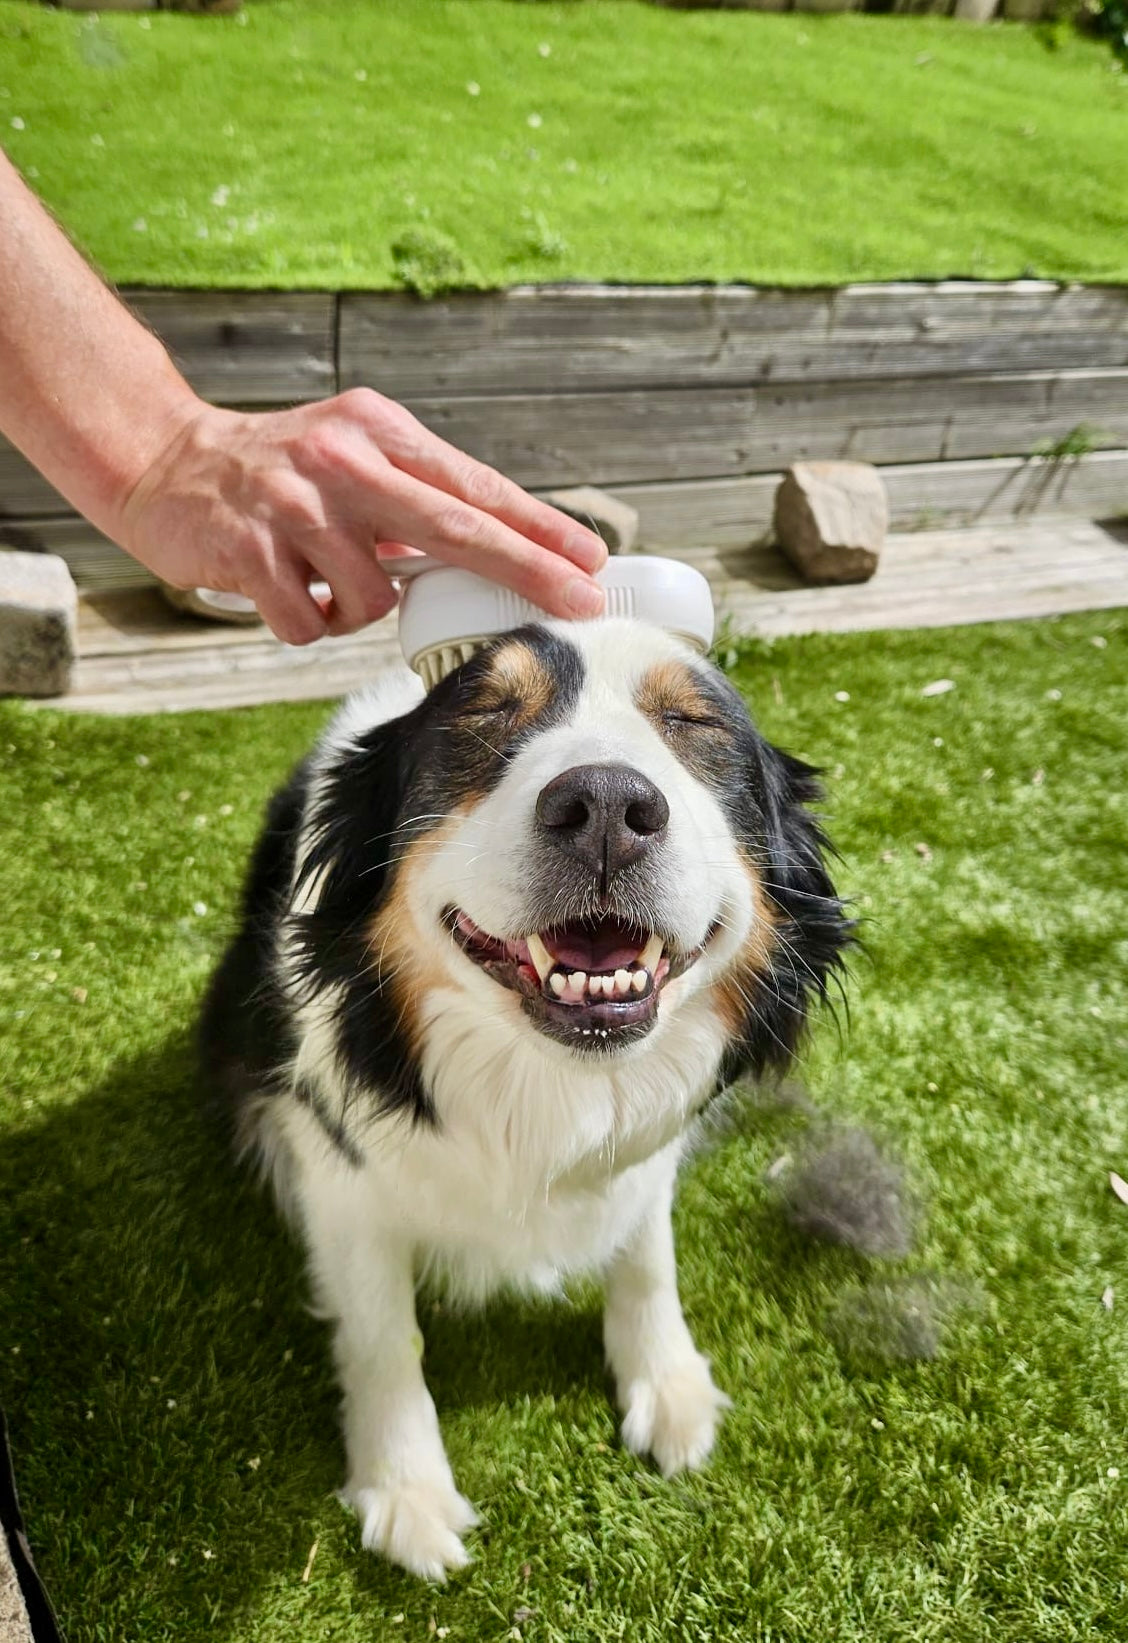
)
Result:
{"points": [[686, 401]]}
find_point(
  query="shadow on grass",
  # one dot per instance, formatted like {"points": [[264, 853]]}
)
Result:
{"points": [[172, 1404]]}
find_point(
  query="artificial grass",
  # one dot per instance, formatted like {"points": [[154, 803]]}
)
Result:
{"points": [[171, 1400], [301, 142]]}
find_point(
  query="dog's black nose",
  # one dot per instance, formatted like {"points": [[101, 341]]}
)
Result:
{"points": [[605, 815]]}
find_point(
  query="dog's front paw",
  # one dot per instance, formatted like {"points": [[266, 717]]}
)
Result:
{"points": [[415, 1522], [673, 1415]]}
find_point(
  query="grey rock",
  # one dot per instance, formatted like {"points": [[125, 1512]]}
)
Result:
{"points": [[616, 522], [831, 519], [38, 622]]}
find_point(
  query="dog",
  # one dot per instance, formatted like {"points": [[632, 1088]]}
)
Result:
{"points": [[500, 946]]}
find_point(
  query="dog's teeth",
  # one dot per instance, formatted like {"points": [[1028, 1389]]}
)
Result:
{"points": [[651, 953], [595, 986], [577, 983], [622, 982], [540, 955], [558, 983], [639, 979]]}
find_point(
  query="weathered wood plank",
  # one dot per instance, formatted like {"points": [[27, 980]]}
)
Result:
{"points": [[247, 347], [732, 512], [681, 518], [120, 622], [573, 338], [23, 490], [136, 656], [944, 578], [618, 438], [95, 561], [163, 679]]}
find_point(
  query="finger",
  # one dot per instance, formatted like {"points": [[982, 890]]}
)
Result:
{"points": [[288, 608], [391, 555], [423, 455], [362, 593], [462, 535]]}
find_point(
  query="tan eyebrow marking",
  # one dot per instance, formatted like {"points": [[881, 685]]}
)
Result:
{"points": [[517, 673], [672, 687]]}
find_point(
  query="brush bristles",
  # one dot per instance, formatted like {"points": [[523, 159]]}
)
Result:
{"points": [[433, 665]]}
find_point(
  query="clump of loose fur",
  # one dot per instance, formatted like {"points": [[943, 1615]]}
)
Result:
{"points": [[845, 1190], [899, 1320]]}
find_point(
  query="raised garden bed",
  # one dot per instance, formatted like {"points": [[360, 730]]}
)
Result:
{"points": [[979, 401]]}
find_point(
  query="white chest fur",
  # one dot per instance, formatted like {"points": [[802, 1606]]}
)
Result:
{"points": [[541, 1164]]}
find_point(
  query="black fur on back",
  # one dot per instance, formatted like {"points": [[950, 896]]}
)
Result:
{"points": [[245, 1033]]}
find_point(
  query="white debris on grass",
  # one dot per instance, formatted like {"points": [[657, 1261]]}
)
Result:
{"points": [[939, 687], [309, 1562]]}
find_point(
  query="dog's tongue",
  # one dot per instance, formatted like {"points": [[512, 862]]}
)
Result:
{"points": [[595, 947]]}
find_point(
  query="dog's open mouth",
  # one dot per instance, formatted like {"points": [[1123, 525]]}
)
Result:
{"points": [[590, 980]]}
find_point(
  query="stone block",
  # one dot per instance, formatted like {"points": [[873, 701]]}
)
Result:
{"points": [[831, 519], [38, 623]]}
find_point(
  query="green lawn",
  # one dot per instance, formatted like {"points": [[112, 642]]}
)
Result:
{"points": [[171, 1401], [298, 143]]}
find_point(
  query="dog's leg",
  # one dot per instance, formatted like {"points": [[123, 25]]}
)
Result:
{"points": [[399, 1479], [669, 1403]]}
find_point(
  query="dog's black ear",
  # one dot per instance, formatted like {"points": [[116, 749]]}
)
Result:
{"points": [[351, 838], [812, 931], [356, 831]]}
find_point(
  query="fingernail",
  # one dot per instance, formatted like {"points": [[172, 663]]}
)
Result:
{"points": [[583, 598], [590, 548]]}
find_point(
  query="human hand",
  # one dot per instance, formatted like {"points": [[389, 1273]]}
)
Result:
{"points": [[265, 503]]}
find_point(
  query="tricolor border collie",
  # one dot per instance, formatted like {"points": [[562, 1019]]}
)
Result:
{"points": [[500, 945]]}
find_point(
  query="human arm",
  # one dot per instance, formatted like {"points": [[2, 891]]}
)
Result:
{"points": [[261, 503]]}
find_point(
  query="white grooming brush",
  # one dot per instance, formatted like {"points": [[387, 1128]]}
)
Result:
{"points": [[445, 614]]}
